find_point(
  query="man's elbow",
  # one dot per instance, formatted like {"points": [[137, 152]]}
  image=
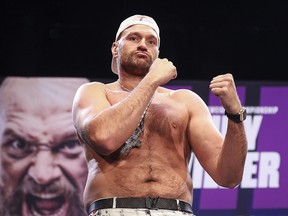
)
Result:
{"points": [[104, 145], [231, 182]]}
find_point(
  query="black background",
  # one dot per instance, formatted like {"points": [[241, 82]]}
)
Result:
{"points": [[202, 38]]}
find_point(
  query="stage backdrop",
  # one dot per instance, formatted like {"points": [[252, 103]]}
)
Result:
{"points": [[264, 188]]}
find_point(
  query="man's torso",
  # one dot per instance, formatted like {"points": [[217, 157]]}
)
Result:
{"points": [[158, 168]]}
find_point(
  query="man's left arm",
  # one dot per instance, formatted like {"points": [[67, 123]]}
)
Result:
{"points": [[230, 164]]}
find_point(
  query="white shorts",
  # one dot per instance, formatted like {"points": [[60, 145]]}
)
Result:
{"points": [[138, 212]]}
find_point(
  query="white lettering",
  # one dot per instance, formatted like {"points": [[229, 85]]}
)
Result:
{"points": [[250, 170], [261, 171], [196, 172], [209, 182], [257, 110], [269, 170], [252, 126]]}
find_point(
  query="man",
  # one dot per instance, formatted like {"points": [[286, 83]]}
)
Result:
{"points": [[138, 136], [43, 167]]}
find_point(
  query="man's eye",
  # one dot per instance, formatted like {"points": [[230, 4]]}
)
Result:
{"points": [[70, 148], [133, 39], [18, 148], [19, 144]]}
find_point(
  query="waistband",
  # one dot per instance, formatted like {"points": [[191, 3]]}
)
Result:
{"points": [[145, 202]]}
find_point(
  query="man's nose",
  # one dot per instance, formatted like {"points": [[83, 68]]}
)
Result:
{"points": [[143, 43], [44, 168]]}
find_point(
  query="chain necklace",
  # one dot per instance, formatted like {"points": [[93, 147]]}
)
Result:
{"points": [[133, 140], [123, 87]]}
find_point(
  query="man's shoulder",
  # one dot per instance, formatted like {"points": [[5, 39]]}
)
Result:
{"points": [[97, 84], [185, 95]]}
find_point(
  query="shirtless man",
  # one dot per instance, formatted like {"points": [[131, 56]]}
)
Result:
{"points": [[138, 136]]}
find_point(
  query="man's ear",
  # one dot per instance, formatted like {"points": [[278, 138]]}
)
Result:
{"points": [[114, 49]]}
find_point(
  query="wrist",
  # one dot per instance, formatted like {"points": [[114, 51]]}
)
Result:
{"points": [[238, 117]]}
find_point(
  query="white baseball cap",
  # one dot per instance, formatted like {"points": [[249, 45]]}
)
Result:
{"points": [[134, 20]]}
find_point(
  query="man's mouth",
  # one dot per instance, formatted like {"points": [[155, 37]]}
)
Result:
{"points": [[45, 204], [142, 53]]}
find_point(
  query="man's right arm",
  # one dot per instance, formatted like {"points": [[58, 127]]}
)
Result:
{"points": [[105, 119]]}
